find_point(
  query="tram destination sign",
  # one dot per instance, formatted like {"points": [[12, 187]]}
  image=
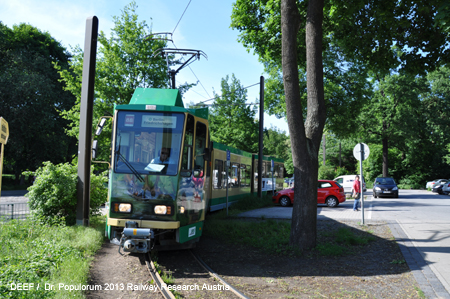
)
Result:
{"points": [[166, 122]]}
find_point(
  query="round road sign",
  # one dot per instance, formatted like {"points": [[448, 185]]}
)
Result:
{"points": [[357, 151]]}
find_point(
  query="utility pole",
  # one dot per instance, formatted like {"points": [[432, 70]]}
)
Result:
{"points": [[261, 129], [86, 113]]}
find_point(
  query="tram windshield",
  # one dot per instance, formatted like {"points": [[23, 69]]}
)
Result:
{"points": [[148, 142]]}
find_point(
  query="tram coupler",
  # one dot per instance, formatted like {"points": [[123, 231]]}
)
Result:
{"points": [[136, 239]]}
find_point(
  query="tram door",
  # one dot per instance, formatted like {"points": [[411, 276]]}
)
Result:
{"points": [[193, 168], [195, 145]]}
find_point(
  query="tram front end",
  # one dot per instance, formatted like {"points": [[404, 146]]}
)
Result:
{"points": [[157, 180]]}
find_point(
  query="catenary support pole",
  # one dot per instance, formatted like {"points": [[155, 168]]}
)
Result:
{"points": [[261, 129], [86, 113]]}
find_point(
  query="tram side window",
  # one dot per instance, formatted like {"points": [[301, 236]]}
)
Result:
{"points": [[186, 162], [281, 172], [218, 174], [245, 175], [255, 182], [234, 174], [267, 169]]}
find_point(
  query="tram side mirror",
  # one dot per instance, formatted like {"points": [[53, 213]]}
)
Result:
{"points": [[94, 149], [100, 126]]}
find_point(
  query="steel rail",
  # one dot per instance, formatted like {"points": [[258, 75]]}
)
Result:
{"points": [[158, 280], [215, 275]]}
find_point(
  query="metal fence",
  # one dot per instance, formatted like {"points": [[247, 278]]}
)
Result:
{"points": [[11, 211]]}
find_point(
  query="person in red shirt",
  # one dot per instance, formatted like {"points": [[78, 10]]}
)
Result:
{"points": [[356, 193]]}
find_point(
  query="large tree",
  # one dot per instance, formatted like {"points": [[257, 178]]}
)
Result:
{"points": [[232, 120], [32, 97], [391, 116], [305, 134]]}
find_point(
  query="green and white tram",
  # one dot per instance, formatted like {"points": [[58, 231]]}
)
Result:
{"points": [[166, 174]]}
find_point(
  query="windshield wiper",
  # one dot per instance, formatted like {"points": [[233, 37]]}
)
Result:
{"points": [[128, 164]]}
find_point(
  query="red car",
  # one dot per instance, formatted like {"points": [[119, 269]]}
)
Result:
{"points": [[328, 192]]}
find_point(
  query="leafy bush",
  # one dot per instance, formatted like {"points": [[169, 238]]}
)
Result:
{"points": [[340, 171], [54, 192], [412, 182], [326, 172]]}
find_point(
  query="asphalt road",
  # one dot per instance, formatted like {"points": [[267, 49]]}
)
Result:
{"points": [[424, 217]]}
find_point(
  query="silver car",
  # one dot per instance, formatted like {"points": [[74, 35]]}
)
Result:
{"points": [[432, 183], [446, 188]]}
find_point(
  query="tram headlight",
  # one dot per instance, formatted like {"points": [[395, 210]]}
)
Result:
{"points": [[163, 210], [122, 207], [181, 209]]}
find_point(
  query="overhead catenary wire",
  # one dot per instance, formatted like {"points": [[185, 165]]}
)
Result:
{"points": [[247, 87], [181, 16]]}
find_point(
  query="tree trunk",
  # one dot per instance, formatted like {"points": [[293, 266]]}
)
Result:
{"points": [[324, 150], [385, 150], [305, 137], [385, 157]]}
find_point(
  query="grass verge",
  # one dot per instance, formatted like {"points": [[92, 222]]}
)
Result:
{"points": [[273, 235], [50, 261]]}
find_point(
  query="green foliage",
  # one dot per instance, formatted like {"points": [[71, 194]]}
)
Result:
{"points": [[326, 172], [415, 181], [409, 36], [232, 121], [54, 192], [356, 59], [34, 252], [276, 143], [341, 171], [32, 98]]}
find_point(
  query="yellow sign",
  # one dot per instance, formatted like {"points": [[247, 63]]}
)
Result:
{"points": [[4, 131]]}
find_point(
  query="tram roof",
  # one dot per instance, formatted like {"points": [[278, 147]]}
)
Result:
{"points": [[162, 99], [155, 96]]}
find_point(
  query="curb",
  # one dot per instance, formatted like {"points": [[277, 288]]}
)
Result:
{"points": [[425, 277]]}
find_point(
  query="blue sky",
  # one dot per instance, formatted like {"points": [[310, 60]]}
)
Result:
{"points": [[204, 26]]}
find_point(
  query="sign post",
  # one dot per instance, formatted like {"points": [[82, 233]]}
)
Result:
{"points": [[271, 170], [361, 152], [226, 174], [4, 134]]}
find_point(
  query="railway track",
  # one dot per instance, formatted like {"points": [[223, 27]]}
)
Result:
{"points": [[225, 288]]}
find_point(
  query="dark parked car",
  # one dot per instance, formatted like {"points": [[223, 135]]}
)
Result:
{"points": [[385, 186]]}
